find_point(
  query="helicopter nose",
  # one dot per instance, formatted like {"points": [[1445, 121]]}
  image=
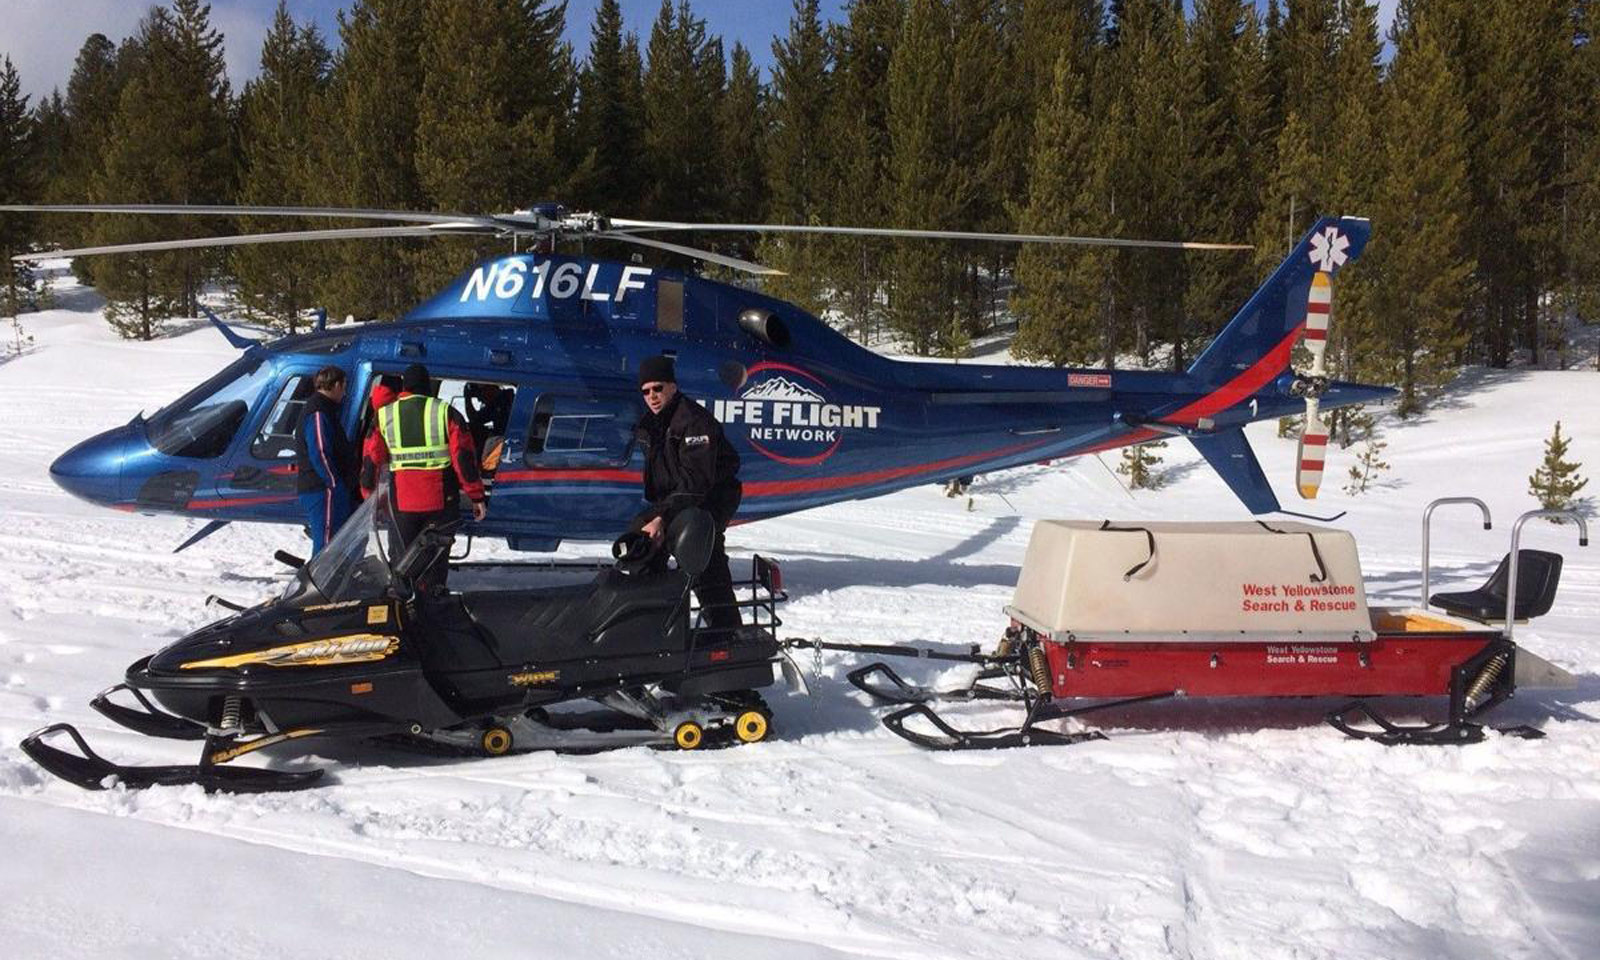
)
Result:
{"points": [[92, 470]]}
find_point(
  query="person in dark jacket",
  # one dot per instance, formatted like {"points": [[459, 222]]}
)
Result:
{"points": [[432, 462], [324, 459], [688, 463]]}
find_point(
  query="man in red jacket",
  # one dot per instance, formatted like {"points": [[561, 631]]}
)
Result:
{"points": [[432, 461]]}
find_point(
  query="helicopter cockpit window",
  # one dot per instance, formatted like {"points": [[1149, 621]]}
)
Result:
{"points": [[202, 423], [580, 432], [275, 439]]}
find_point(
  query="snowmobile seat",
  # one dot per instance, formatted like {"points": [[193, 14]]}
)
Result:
{"points": [[614, 615], [1538, 575]]}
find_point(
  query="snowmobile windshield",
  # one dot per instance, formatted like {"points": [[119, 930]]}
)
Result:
{"points": [[202, 423], [355, 563]]}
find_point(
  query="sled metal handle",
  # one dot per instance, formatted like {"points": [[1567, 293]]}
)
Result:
{"points": [[1516, 557], [1427, 519]]}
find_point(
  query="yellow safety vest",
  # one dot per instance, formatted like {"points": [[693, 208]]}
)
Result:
{"points": [[417, 431]]}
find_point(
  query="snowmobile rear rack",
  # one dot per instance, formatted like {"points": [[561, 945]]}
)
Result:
{"points": [[91, 771]]}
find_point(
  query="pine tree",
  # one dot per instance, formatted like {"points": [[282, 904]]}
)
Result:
{"points": [[1155, 91], [170, 142], [1556, 482], [1509, 56], [1353, 172], [610, 121], [1369, 462], [483, 143], [1064, 291], [858, 130], [1224, 115], [19, 183], [1139, 463], [678, 104], [365, 154], [921, 296], [741, 134], [797, 159], [1310, 44], [1581, 196], [93, 92], [277, 120], [1422, 268]]}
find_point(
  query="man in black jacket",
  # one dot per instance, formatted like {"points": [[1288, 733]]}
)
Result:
{"points": [[324, 459], [688, 463]]}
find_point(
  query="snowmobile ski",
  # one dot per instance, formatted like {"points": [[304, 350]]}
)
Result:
{"points": [[91, 771]]}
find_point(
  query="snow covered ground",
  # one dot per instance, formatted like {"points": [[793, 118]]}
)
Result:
{"points": [[1199, 830]]}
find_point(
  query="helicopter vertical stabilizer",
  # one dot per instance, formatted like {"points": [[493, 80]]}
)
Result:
{"points": [[1257, 343]]}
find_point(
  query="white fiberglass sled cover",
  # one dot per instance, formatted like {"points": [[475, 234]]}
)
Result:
{"points": [[1185, 581]]}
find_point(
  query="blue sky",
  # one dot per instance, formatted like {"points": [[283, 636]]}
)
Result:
{"points": [[43, 36]]}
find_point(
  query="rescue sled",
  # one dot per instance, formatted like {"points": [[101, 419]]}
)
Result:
{"points": [[1111, 614]]}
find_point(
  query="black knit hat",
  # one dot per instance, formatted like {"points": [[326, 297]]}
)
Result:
{"points": [[415, 379], [658, 369]]}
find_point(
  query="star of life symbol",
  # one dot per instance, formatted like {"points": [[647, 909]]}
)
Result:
{"points": [[1328, 249]]}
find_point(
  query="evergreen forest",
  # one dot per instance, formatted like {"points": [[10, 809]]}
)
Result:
{"points": [[1466, 131]]}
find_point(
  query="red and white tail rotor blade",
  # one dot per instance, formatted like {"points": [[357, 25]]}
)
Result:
{"points": [[1313, 450]]}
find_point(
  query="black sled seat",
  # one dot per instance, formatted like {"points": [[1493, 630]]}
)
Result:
{"points": [[1538, 575]]}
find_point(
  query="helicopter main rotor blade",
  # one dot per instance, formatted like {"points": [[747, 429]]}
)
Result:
{"points": [[353, 233], [229, 210], [695, 252], [927, 234]]}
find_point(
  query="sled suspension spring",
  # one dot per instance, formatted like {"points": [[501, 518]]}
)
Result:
{"points": [[230, 714], [1478, 690], [1039, 668]]}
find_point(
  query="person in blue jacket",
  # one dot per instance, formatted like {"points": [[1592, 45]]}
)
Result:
{"points": [[324, 459]]}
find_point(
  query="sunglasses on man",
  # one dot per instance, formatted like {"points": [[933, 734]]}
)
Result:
{"points": [[650, 389]]}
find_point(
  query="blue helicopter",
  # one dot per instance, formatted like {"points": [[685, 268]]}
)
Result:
{"points": [[539, 350]]}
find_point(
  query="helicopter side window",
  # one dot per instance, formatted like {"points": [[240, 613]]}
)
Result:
{"points": [[203, 422], [580, 432], [275, 440], [669, 306]]}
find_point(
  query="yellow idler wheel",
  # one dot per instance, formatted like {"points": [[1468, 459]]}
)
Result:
{"points": [[688, 735], [751, 726], [496, 741]]}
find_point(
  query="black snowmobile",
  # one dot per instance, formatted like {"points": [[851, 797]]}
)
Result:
{"points": [[354, 649]]}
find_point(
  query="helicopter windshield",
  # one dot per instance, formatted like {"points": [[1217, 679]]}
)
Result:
{"points": [[355, 563], [201, 423]]}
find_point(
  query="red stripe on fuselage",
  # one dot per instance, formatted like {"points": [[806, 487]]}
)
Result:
{"points": [[551, 476], [1260, 373]]}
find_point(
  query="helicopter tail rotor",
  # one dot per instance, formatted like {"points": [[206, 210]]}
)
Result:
{"points": [[1313, 449]]}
